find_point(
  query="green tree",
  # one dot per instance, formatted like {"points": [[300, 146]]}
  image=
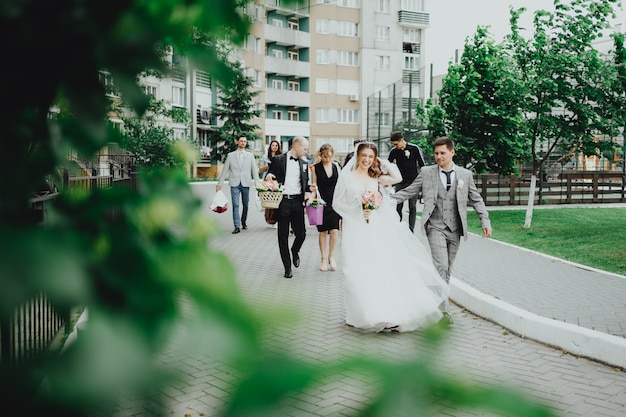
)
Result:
{"points": [[481, 99], [236, 109], [567, 84], [436, 121], [149, 138]]}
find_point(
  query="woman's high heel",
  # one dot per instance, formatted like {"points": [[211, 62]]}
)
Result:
{"points": [[333, 265], [323, 265]]}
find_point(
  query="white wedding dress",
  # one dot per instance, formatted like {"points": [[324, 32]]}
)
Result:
{"points": [[389, 276]]}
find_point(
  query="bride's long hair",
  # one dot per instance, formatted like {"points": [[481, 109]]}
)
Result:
{"points": [[374, 169]]}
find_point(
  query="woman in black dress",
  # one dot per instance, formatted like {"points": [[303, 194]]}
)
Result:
{"points": [[325, 174]]}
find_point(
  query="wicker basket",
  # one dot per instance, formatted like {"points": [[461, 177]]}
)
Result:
{"points": [[270, 199]]}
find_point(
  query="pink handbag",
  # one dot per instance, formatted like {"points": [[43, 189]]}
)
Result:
{"points": [[315, 214], [315, 211]]}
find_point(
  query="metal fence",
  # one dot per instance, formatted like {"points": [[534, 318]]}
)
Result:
{"points": [[31, 329], [35, 324]]}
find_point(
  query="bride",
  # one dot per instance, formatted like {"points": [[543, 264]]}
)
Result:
{"points": [[390, 281]]}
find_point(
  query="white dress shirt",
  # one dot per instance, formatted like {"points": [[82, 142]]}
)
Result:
{"points": [[444, 177], [292, 177]]}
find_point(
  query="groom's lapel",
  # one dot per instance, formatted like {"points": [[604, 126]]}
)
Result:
{"points": [[435, 181]]}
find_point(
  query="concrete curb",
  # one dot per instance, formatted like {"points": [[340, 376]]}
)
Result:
{"points": [[580, 341]]}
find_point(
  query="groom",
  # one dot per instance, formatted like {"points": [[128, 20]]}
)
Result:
{"points": [[292, 171], [447, 189]]}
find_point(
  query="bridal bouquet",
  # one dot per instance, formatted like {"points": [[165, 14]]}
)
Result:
{"points": [[370, 200]]}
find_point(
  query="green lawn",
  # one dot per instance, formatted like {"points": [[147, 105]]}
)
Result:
{"points": [[594, 237]]}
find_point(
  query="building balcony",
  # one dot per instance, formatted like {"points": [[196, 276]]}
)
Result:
{"points": [[275, 127], [414, 19], [411, 48], [287, 67], [411, 77], [295, 8], [287, 37], [287, 98]]}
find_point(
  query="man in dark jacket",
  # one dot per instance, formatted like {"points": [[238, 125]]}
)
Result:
{"points": [[409, 160], [291, 170]]}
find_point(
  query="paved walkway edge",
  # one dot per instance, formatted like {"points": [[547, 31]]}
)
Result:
{"points": [[576, 340]]}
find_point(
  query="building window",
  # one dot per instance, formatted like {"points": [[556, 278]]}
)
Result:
{"points": [[277, 114], [382, 6], [382, 33], [293, 85], [382, 119], [109, 86], [179, 134], [294, 116], [277, 23], [348, 3], [411, 63], [293, 54], [278, 84], [322, 26], [413, 5], [382, 62], [349, 116], [294, 24], [257, 78], [277, 53], [348, 58], [411, 35], [322, 115], [322, 56], [150, 90], [178, 96], [322, 85], [347, 29]]}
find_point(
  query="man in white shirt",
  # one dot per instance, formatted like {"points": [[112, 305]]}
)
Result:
{"points": [[291, 170]]}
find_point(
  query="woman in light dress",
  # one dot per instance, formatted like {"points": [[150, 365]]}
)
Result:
{"points": [[390, 281]]}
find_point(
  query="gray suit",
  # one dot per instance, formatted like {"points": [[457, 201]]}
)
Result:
{"points": [[241, 172], [444, 217]]}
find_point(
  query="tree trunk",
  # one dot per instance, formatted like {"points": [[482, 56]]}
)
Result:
{"points": [[531, 202]]}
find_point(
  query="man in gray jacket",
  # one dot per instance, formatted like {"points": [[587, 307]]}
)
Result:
{"points": [[447, 190], [242, 171]]}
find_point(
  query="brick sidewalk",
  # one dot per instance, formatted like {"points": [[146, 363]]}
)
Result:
{"points": [[477, 350]]}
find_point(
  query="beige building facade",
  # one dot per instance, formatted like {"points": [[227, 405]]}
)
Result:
{"points": [[318, 63]]}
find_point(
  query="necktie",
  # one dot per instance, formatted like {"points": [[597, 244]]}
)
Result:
{"points": [[295, 159], [448, 179]]}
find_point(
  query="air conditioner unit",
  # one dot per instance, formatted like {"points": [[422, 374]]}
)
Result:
{"points": [[354, 97]]}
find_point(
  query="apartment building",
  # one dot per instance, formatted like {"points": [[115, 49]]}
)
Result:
{"points": [[323, 66], [329, 70]]}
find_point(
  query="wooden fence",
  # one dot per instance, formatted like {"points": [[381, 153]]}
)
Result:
{"points": [[564, 187]]}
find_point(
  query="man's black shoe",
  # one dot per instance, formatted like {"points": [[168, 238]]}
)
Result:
{"points": [[236, 230], [296, 259], [244, 225], [288, 273]]}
